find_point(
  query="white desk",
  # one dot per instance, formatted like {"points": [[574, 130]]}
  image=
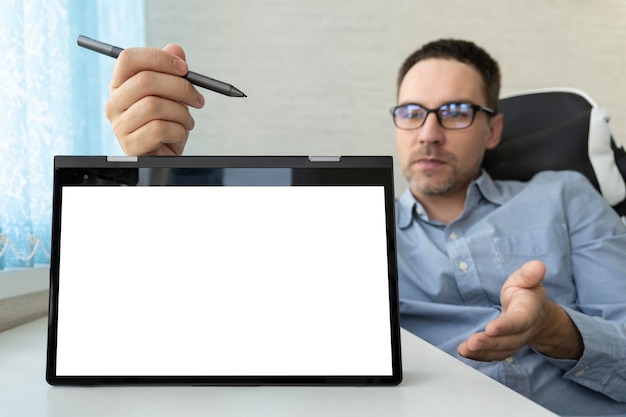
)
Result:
{"points": [[434, 384]]}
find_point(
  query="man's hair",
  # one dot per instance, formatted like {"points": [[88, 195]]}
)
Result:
{"points": [[462, 51]]}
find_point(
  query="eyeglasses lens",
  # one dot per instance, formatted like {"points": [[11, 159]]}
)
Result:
{"points": [[449, 116], [456, 115]]}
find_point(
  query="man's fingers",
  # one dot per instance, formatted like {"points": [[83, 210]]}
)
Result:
{"points": [[153, 108], [175, 49], [530, 275], [132, 61], [150, 138], [156, 84], [508, 324], [483, 348], [480, 341], [484, 355]]}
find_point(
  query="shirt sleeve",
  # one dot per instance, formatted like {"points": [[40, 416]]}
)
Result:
{"points": [[598, 245], [602, 367]]}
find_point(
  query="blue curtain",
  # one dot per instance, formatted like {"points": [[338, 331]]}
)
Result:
{"points": [[52, 97]]}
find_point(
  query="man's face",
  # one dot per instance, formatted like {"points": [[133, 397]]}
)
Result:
{"points": [[438, 161]]}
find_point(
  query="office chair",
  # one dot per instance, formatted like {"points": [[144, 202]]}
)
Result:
{"points": [[559, 129]]}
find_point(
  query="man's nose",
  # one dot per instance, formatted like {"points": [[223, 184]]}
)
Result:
{"points": [[431, 131]]}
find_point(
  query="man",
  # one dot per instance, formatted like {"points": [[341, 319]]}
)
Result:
{"points": [[525, 282]]}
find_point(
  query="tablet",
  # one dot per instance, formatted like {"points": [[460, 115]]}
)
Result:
{"points": [[223, 271]]}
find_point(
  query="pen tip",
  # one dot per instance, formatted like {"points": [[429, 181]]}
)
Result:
{"points": [[235, 92]]}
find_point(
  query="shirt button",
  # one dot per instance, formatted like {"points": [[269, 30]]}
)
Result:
{"points": [[453, 236], [510, 359], [580, 373], [463, 266]]}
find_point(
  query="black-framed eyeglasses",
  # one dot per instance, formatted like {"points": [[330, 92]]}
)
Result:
{"points": [[450, 115]]}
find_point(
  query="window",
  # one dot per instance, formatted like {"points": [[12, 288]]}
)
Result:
{"points": [[52, 96]]}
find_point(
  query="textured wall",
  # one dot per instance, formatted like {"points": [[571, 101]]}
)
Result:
{"points": [[320, 75]]}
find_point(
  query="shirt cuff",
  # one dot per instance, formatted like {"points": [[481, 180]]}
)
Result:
{"points": [[602, 367]]}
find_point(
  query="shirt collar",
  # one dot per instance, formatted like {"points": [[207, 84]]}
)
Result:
{"points": [[405, 208], [483, 187], [490, 189]]}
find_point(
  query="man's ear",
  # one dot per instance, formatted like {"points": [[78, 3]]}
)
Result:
{"points": [[495, 130]]}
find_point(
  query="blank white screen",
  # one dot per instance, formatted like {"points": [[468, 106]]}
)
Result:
{"points": [[285, 281]]}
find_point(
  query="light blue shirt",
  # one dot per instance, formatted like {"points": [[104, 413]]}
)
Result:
{"points": [[450, 278]]}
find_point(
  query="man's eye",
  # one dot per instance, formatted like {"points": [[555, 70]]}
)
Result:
{"points": [[415, 115], [413, 112], [455, 111]]}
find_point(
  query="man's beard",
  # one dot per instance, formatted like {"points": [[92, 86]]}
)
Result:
{"points": [[441, 187], [443, 183]]}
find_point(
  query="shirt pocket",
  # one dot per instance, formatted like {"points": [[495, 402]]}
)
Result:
{"points": [[549, 244]]}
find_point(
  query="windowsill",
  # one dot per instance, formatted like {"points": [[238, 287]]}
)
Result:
{"points": [[23, 296], [23, 281]]}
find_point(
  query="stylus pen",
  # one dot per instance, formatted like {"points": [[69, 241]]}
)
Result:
{"points": [[193, 77]]}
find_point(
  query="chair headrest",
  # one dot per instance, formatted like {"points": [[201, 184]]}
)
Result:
{"points": [[558, 129]]}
